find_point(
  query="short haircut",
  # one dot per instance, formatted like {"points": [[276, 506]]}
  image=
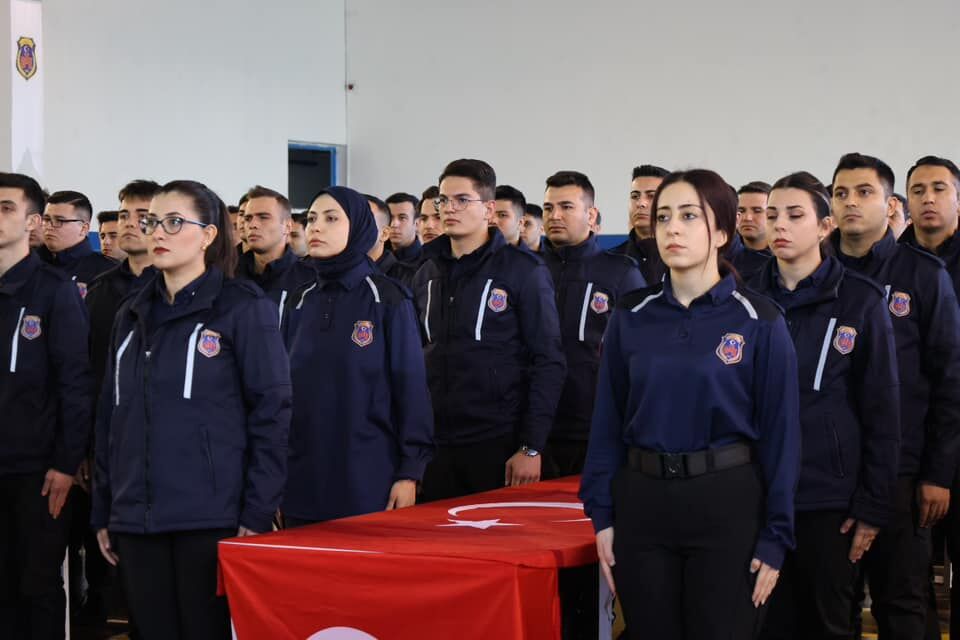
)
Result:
{"points": [[936, 161], [378, 206], [107, 216], [852, 161], [429, 195], [573, 179], [264, 192], [243, 199], [903, 203], [80, 202], [649, 171], [299, 218], [138, 190], [757, 186], [33, 193], [514, 196], [400, 196], [534, 211], [481, 174], [232, 210]]}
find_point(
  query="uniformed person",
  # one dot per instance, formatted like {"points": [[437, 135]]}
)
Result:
{"points": [[695, 441], [385, 261], [849, 413], [510, 205], [362, 430], [491, 341], [641, 245], [191, 442], [46, 397], [749, 253], [531, 227], [404, 243], [429, 227]]}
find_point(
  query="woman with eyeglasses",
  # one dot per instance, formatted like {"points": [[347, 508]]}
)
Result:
{"points": [[193, 419], [362, 428]]}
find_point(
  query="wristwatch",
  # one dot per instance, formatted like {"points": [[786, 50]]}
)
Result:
{"points": [[527, 451]]}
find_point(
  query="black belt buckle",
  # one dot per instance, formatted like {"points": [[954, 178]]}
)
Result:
{"points": [[672, 465]]}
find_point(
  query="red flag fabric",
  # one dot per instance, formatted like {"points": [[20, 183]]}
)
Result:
{"points": [[481, 566]]}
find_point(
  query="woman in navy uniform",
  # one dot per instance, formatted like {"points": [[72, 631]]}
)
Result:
{"points": [[850, 410], [362, 430], [695, 442], [193, 419]]}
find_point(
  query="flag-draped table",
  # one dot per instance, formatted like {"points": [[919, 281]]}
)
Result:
{"points": [[481, 566]]}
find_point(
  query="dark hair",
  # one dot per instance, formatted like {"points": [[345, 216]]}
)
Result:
{"points": [[377, 206], [107, 216], [211, 210], [534, 210], [80, 202], [35, 196], [649, 171], [903, 203], [935, 161], [757, 186], [573, 179], [429, 194], [299, 218], [400, 196], [713, 192], [514, 196], [138, 189], [232, 210], [853, 161], [243, 199], [481, 174], [809, 183], [264, 192]]}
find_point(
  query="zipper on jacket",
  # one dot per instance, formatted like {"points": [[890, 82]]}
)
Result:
{"points": [[16, 341], [836, 442], [146, 437]]}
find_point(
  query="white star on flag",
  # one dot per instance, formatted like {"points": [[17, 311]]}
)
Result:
{"points": [[478, 524]]}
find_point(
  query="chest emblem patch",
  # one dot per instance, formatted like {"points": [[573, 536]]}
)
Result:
{"points": [[497, 300], [600, 302], [30, 327], [82, 287], [845, 339], [362, 333], [209, 344], [730, 349], [900, 304]]}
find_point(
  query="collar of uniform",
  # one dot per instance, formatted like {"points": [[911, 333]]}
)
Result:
{"points": [[821, 285], [736, 248], [248, 265], [573, 253], [350, 278], [386, 262], [881, 250], [72, 254], [408, 254], [199, 294], [718, 294], [645, 246], [495, 242], [949, 251], [18, 274]]}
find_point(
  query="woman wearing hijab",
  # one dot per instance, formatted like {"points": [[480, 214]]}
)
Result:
{"points": [[362, 427]]}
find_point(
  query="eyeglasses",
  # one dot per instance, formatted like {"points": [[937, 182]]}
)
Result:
{"points": [[56, 223], [170, 224], [459, 203]]}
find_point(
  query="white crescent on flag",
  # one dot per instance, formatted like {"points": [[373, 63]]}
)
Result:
{"points": [[486, 524], [341, 633]]}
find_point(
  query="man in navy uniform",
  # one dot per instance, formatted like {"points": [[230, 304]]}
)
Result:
{"points": [[748, 252], [386, 261], [66, 224], [46, 398], [588, 282], [404, 243], [641, 245], [492, 344]]}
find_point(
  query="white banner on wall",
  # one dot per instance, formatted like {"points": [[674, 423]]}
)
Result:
{"points": [[26, 95]]}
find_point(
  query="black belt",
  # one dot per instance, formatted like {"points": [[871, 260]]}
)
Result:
{"points": [[688, 465]]}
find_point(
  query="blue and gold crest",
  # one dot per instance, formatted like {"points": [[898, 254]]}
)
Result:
{"points": [[900, 304], [730, 349], [600, 302], [30, 328], [209, 343], [497, 301], [362, 333], [845, 339], [26, 57], [82, 288]]}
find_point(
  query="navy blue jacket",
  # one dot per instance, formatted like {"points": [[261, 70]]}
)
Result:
{"points": [[675, 379], [926, 326], [402, 272], [492, 342], [849, 390], [192, 423], [80, 262], [646, 254], [280, 278], [948, 252], [588, 282], [745, 260], [104, 297], [411, 255], [361, 409], [46, 387]]}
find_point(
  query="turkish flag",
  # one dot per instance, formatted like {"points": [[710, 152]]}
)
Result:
{"points": [[481, 566]]}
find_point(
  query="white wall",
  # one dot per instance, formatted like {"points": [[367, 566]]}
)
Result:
{"points": [[753, 89], [203, 89]]}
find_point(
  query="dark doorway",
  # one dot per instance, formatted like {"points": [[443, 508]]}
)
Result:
{"points": [[310, 169]]}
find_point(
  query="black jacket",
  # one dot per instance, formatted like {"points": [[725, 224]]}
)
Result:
{"points": [[80, 262], [492, 343], [646, 254], [748, 262]]}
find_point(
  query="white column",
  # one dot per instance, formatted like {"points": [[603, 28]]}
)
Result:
{"points": [[25, 96]]}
